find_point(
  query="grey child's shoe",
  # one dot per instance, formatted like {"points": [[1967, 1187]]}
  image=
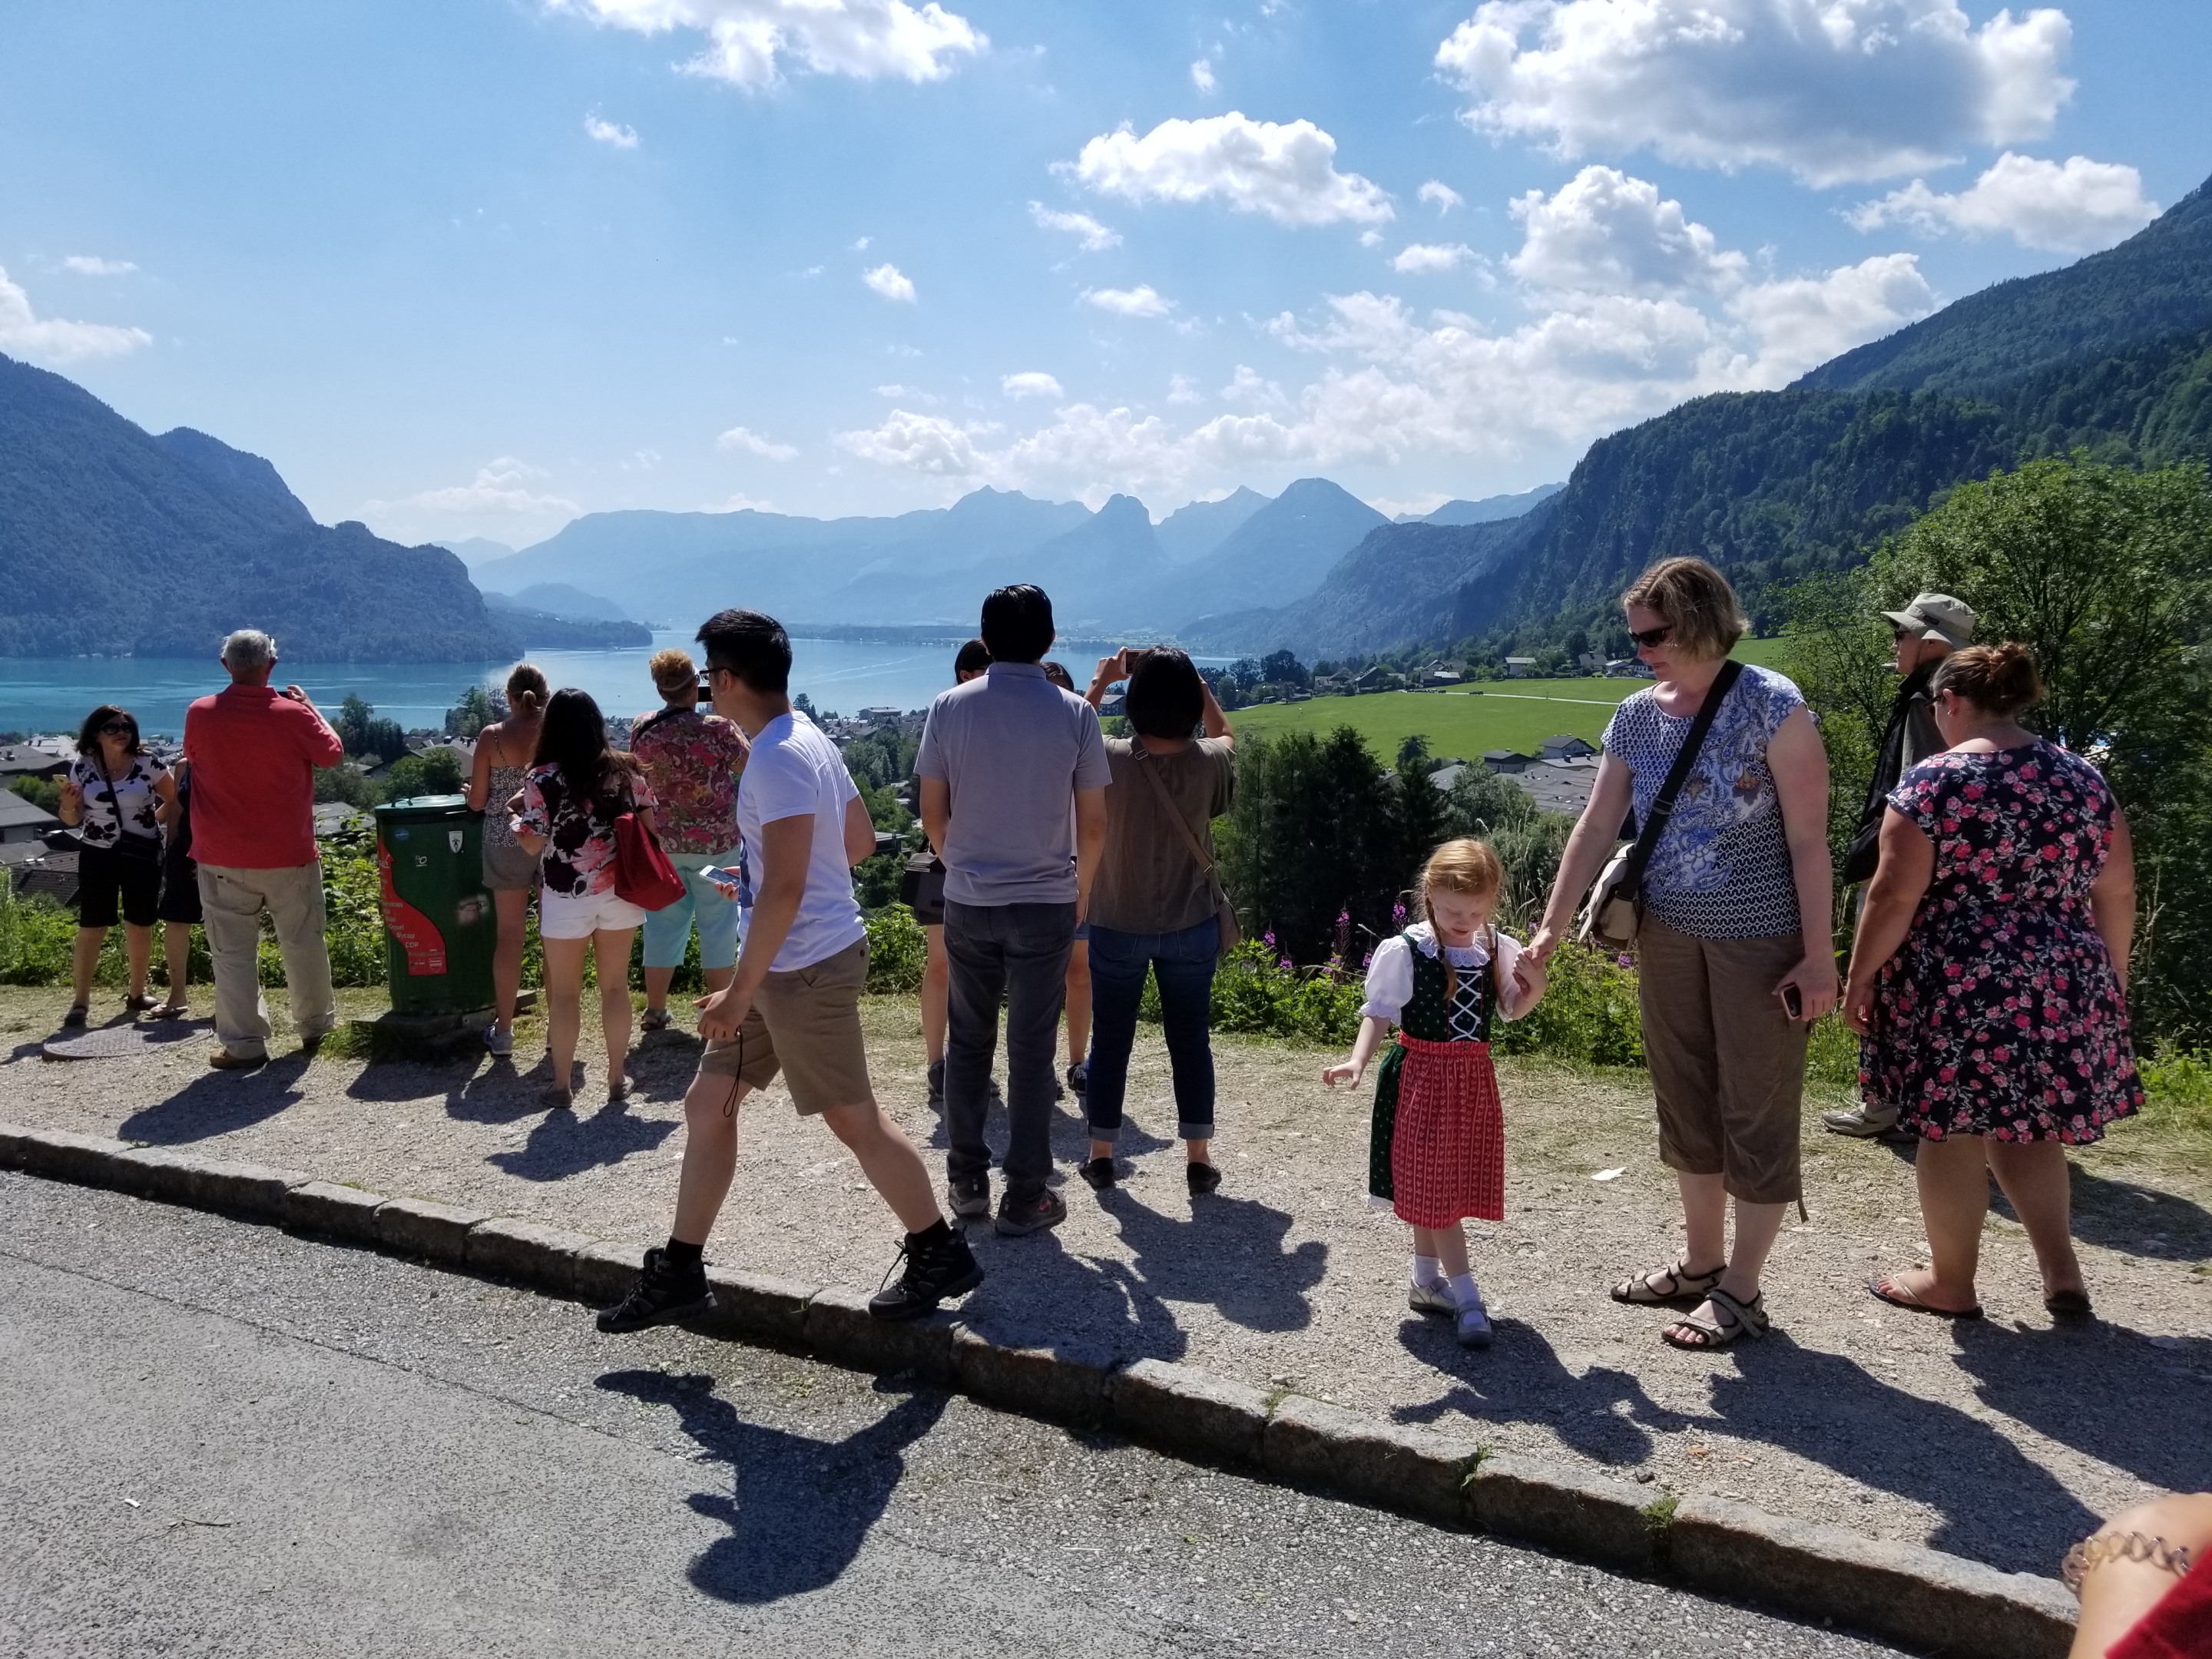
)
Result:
{"points": [[1861, 1122]]}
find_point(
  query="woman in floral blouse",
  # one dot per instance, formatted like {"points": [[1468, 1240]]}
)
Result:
{"points": [[1989, 980], [574, 790]]}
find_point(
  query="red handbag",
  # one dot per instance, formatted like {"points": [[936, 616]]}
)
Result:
{"points": [[643, 874]]}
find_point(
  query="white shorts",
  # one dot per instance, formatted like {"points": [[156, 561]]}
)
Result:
{"points": [[559, 916]]}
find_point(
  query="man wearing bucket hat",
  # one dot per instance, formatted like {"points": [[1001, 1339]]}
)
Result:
{"points": [[1928, 630]]}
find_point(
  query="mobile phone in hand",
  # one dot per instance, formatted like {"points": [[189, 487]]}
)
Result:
{"points": [[1793, 1002]]}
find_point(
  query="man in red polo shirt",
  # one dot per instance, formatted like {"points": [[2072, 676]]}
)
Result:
{"points": [[254, 752]]}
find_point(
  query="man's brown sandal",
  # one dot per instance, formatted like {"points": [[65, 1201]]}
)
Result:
{"points": [[1643, 1290], [1737, 1319]]}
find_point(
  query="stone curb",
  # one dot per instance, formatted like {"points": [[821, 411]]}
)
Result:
{"points": [[1904, 1593]]}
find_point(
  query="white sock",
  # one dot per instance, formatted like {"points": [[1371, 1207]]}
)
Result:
{"points": [[1426, 1272], [1463, 1290]]}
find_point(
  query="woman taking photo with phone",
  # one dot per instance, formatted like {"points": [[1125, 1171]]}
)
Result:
{"points": [[503, 752], [112, 796], [1989, 979], [1734, 952]]}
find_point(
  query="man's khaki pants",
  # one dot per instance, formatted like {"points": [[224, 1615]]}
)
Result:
{"points": [[231, 903]]}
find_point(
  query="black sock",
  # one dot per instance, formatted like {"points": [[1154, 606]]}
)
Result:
{"points": [[936, 1233], [689, 1257]]}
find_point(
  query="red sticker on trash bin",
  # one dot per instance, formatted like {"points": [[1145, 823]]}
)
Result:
{"points": [[424, 945]]}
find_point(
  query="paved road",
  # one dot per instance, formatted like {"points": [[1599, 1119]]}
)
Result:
{"points": [[218, 1439]]}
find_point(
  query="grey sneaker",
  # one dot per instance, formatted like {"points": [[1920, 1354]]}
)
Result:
{"points": [[970, 1196], [1861, 1122], [1435, 1298], [501, 1043]]}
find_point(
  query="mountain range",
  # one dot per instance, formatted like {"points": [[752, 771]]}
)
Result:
{"points": [[114, 541]]}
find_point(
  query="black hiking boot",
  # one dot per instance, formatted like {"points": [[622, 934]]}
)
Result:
{"points": [[936, 1268], [663, 1295], [1031, 1213]]}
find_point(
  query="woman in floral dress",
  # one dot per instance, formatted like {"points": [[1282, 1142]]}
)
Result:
{"points": [[1989, 978]]}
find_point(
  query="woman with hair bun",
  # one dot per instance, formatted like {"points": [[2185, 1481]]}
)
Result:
{"points": [[1989, 978], [503, 752]]}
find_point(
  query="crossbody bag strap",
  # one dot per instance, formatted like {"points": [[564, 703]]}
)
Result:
{"points": [[114, 801], [1662, 804], [1167, 801]]}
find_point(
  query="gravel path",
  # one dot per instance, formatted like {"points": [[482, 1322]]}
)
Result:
{"points": [[2003, 1440]]}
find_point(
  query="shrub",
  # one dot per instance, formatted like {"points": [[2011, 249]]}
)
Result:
{"points": [[37, 938], [898, 950], [1590, 1012]]}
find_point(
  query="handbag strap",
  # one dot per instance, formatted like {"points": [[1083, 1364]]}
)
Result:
{"points": [[114, 801], [1662, 805], [1167, 803]]}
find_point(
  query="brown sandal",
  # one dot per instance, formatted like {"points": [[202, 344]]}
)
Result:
{"points": [[1883, 1288], [1738, 1319], [1641, 1292]]}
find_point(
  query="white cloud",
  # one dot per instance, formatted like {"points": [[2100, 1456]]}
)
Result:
{"points": [[612, 133], [1421, 258], [52, 339], [1181, 389], [891, 282], [909, 394], [500, 490], [1201, 75], [1392, 384], [91, 265], [749, 40], [1087, 231], [918, 443], [2076, 207], [1607, 232], [1445, 197], [1830, 90], [740, 502], [1030, 383], [752, 443], [1142, 300], [861, 246], [1370, 239], [1286, 171]]}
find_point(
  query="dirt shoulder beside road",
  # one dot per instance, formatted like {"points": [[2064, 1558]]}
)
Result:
{"points": [[2003, 1440]]}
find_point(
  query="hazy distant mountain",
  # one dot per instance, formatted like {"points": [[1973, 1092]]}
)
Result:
{"points": [[572, 604], [473, 550], [1281, 552], [534, 627], [1192, 532], [1489, 510], [114, 541]]}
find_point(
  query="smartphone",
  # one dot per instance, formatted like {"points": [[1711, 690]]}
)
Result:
{"points": [[705, 695], [1793, 1002]]}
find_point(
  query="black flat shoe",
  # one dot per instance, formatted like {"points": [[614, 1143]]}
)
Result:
{"points": [[1097, 1173], [2068, 1307], [1203, 1178]]}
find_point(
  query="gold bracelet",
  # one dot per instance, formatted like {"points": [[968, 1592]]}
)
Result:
{"points": [[2092, 1553]]}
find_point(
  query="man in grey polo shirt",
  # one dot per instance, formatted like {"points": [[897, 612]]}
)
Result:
{"points": [[1013, 797]]}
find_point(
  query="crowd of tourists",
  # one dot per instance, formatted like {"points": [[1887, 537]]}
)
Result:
{"points": [[1063, 868]]}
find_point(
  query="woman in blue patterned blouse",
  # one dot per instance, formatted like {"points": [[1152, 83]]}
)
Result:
{"points": [[1735, 954]]}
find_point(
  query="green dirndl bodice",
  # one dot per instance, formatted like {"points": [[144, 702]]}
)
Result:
{"points": [[1426, 1017]]}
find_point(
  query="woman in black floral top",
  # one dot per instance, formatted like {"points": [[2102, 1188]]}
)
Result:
{"points": [[1989, 981]]}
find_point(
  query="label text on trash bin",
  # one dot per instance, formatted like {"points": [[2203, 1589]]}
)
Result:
{"points": [[424, 945]]}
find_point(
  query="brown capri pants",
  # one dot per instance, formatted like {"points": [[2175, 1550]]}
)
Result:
{"points": [[805, 1023], [1727, 1061]]}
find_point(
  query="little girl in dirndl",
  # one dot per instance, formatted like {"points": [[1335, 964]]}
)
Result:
{"points": [[1437, 1149]]}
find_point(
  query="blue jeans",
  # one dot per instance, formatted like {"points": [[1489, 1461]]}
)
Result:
{"points": [[668, 930], [1017, 952], [1183, 963]]}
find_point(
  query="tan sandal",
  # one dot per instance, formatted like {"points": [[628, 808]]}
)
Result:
{"points": [[1640, 1291], [1737, 1319]]}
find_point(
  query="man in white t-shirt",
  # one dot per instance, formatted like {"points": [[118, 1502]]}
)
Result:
{"points": [[794, 1004]]}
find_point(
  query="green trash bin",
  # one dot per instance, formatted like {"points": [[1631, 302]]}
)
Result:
{"points": [[440, 927]]}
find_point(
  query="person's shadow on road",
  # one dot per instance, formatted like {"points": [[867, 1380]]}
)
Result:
{"points": [[800, 1507], [1604, 1414]]}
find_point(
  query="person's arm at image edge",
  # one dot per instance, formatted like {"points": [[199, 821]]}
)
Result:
{"points": [[1799, 762], [2112, 899], [859, 832], [1907, 866], [1090, 843]]}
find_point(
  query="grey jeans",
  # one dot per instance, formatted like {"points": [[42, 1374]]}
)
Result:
{"points": [[1018, 952]]}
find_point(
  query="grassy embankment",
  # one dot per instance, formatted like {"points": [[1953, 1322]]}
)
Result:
{"points": [[1494, 714]]}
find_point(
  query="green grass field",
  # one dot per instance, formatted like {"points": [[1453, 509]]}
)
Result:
{"points": [[1502, 715]]}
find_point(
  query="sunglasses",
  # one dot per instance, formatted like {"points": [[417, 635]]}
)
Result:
{"points": [[116, 729], [1651, 637]]}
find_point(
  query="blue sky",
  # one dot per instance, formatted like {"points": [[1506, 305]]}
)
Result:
{"points": [[470, 267]]}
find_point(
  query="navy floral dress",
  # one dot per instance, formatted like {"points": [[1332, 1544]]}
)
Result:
{"points": [[2001, 1015]]}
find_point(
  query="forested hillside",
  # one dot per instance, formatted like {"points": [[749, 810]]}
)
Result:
{"points": [[113, 540], [2112, 354]]}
